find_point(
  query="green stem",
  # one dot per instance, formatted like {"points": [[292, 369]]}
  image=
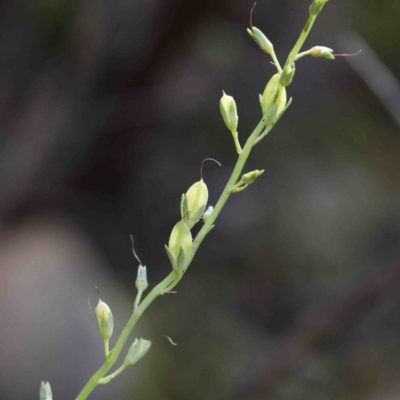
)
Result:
{"points": [[235, 135], [137, 300], [106, 348], [300, 41], [276, 61], [168, 283], [172, 279], [110, 377], [231, 183], [302, 54]]}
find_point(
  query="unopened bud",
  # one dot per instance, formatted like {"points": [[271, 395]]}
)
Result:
{"points": [[287, 76], [194, 203], [250, 177], [207, 213], [141, 280], [180, 246], [270, 93], [105, 319], [321, 51], [138, 350], [45, 391], [228, 110], [261, 40]]}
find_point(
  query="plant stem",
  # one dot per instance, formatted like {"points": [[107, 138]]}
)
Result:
{"points": [[236, 140], [276, 61], [110, 377], [229, 186], [169, 282], [172, 279], [106, 348], [137, 300], [300, 41]]}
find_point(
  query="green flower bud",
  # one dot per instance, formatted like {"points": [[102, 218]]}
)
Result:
{"points": [[105, 319], [228, 110], [138, 350], [270, 93], [261, 40], [180, 246], [287, 76], [141, 280], [250, 177], [45, 391], [321, 51], [194, 203], [317, 6]]}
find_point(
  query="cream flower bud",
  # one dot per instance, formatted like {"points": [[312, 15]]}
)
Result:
{"points": [[322, 51], [194, 203], [180, 247], [228, 110], [270, 93], [105, 319]]}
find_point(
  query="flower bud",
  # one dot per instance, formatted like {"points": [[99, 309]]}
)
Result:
{"points": [[321, 51], [105, 319], [45, 391], [287, 76], [180, 246], [317, 6], [194, 203], [138, 350], [228, 110], [141, 280], [207, 213], [261, 40], [270, 93], [250, 177]]}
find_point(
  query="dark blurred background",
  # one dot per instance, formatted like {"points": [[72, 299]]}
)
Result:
{"points": [[107, 109]]}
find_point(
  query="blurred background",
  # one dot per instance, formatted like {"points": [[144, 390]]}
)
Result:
{"points": [[107, 109]]}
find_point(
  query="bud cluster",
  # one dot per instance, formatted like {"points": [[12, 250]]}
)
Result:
{"points": [[180, 249]]}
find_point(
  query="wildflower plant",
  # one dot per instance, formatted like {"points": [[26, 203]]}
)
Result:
{"points": [[182, 247]]}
